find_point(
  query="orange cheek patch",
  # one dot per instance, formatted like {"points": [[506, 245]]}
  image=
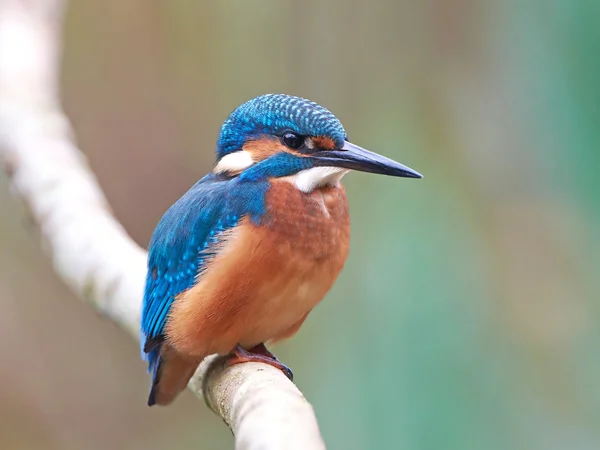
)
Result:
{"points": [[324, 142], [262, 148]]}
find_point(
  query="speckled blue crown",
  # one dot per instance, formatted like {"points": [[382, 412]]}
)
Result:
{"points": [[274, 114]]}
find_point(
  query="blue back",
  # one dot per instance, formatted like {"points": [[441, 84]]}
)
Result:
{"points": [[181, 244]]}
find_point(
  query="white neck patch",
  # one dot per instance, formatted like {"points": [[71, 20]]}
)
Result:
{"points": [[234, 162], [310, 179]]}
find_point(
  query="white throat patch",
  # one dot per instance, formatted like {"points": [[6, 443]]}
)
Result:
{"points": [[310, 179], [235, 162]]}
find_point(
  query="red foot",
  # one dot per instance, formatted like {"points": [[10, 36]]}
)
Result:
{"points": [[258, 354]]}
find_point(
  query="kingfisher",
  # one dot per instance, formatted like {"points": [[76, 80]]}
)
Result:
{"points": [[241, 259]]}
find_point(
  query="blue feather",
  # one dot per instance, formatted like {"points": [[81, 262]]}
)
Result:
{"points": [[182, 242]]}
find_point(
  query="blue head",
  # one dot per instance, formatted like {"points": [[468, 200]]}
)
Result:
{"points": [[273, 115], [277, 135]]}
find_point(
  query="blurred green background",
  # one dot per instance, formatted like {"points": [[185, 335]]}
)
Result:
{"points": [[467, 316]]}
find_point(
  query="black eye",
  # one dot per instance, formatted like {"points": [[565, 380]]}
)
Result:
{"points": [[292, 140]]}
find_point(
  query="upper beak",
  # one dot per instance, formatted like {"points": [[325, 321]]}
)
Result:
{"points": [[353, 157]]}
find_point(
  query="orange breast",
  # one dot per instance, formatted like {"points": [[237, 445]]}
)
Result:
{"points": [[265, 279]]}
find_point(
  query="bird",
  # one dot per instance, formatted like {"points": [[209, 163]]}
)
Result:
{"points": [[240, 260]]}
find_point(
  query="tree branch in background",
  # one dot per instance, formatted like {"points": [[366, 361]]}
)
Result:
{"points": [[90, 250]]}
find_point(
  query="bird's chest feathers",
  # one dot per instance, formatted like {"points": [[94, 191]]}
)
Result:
{"points": [[299, 250], [307, 226], [301, 244]]}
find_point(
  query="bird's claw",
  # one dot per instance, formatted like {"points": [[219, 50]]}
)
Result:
{"points": [[257, 354]]}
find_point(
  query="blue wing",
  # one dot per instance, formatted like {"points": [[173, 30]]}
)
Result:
{"points": [[181, 244]]}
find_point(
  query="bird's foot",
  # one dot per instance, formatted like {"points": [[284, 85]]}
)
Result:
{"points": [[258, 354]]}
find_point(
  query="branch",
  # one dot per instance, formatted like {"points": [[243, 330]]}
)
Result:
{"points": [[90, 250]]}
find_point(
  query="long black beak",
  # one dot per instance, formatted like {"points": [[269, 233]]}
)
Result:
{"points": [[353, 157]]}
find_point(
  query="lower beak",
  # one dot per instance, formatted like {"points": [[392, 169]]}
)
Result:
{"points": [[353, 157]]}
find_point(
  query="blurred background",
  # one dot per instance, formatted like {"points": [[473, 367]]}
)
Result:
{"points": [[467, 316]]}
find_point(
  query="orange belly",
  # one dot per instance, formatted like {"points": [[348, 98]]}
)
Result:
{"points": [[265, 279]]}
